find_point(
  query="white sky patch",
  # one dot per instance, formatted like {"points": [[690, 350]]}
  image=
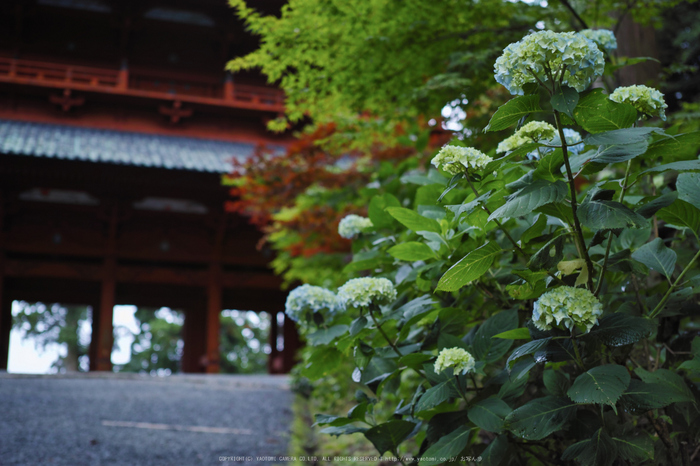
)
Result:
{"points": [[125, 326]]}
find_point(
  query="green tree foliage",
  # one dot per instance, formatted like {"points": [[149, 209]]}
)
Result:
{"points": [[56, 324], [158, 345], [244, 342]]}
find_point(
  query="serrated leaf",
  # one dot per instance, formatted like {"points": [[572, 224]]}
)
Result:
{"points": [[680, 145], [673, 382], [486, 348], [635, 449], [549, 255], [596, 113], [619, 152], [325, 360], [437, 394], [657, 256], [556, 382], [509, 113], [609, 215], [641, 396], [534, 230], [389, 435], [549, 167], [448, 446], [688, 186], [413, 220], [681, 214], [540, 417], [565, 100], [529, 198], [470, 267], [621, 329], [412, 251], [621, 136], [516, 334], [489, 414], [600, 450], [648, 209], [495, 452], [600, 385], [327, 335], [376, 211]]}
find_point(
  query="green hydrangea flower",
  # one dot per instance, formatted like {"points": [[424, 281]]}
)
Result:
{"points": [[567, 307], [361, 292], [307, 298], [532, 57], [457, 358], [352, 225], [603, 38], [646, 100], [455, 159], [534, 131]]}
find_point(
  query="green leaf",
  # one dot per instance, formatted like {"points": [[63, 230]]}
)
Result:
{"points": [[376, 210], [673, 382], [549, 255], [413, 220], [621, 136], [641, 396], [683, 166], [540, 417], [437, 394], [601, 385], [414, 360], [327, 335], [512, 111], [516, 334], [343, 430], [565, 100], [681, 145], [484, 346], [657, 256], [470, 267], [600, 450], [621, 329], [648, 209], [358, 325], [489, 414], [681, 214], [534, 230], [608, 215], [529, 198], [324, 361], [412, 251], [526, 349], [447, 447], [388, 436], [556, 382], [495, 452], [327, 419], [635, 449], [618, 152], [549, 167], [596, 113], [688, 186]]}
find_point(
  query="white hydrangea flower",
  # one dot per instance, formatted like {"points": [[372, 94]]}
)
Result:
{"points": [[646, 100], [534, 131], [567, 307], [456, 159], [307, 298], [461, 360], [361, 292], [529, 59], [603, 38], [352, 225]]}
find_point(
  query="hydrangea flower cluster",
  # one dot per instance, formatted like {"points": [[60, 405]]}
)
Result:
{"points": [[352, 225], [461, 360], [307, 298], [603, 38], [455, 160], [533, 131], [646, 100], [567, 307], [531, 58], [361, 292]]}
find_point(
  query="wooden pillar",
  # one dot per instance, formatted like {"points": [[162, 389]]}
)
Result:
{"points": [[5, 299], [274, 361], [291, 344], [214, 301], [102, 328], [193, 335]]}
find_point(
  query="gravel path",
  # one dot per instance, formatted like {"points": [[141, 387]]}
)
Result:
{"points": [[119, 419]]}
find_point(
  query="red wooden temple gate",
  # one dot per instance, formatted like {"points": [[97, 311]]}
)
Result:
{"points": [[116, 123]]}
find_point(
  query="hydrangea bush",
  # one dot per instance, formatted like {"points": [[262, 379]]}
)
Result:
{"points": [[536, 309]]}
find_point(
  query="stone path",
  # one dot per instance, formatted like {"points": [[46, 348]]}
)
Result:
{"points": [[126, 419]]}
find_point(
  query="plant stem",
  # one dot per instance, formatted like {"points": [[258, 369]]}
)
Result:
{"points": [[607, 249], [579, 361], [660, 306], [578, 232], [388, 340]]}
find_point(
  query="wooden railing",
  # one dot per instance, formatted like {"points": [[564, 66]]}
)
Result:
{"points": [[141, 83]]}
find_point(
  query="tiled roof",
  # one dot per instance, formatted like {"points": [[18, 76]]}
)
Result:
{"points": [[100, 145]]}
